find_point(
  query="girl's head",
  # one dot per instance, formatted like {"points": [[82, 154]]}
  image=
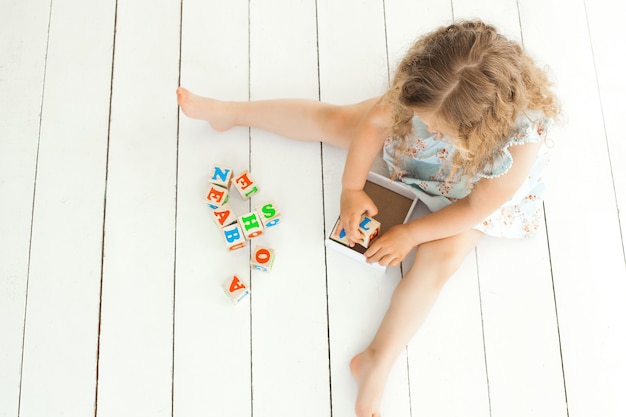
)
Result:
{"points": [[470, 83]]}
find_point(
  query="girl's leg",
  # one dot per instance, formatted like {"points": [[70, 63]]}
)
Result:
{"points": [[412, 299], [299, 119]]}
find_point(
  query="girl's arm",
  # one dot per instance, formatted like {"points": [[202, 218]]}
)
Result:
{"points": [[486, 197], [363, 149]]}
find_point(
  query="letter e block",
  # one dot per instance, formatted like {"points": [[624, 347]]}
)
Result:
{"points": [[246, 185], [222, 176], [235, 289], [224, 216], [233, 236], [370, 229], [269, 215], [262, 259], [217, 196]]}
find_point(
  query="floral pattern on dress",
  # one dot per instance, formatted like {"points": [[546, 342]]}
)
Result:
{"points": [[424, 164]]}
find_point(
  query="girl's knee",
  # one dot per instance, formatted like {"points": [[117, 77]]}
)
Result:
{"points": [[441, 258]]}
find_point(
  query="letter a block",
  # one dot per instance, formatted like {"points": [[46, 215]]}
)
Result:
{"points": [[233, 236], [262, 259], [246, 185], [251, 225], [370, 229], [269, 215], [217, 196], [221, 176], [235, 289], [224, 216]]}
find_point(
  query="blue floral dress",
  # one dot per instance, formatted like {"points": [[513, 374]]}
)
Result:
{"points": [[423, 164]]}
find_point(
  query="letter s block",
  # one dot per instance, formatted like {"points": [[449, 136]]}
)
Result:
{"points": [[269, 214], [262, 259], [235, 289]]}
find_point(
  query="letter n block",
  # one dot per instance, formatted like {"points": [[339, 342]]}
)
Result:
{"points": [[246, 185], [233, 236], [251, 225], [221, 175], [269, 215], [262, 259], [217, 196], [370, 229], [235, 289], [224, 216]]}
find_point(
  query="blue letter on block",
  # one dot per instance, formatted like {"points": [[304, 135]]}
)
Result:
{"points": [[364, 223], [232, 235], [219, 173]]}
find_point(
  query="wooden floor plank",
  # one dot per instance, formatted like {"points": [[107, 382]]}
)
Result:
{"points": [[353, 67], [289, 326], [212, 371], [585, 245], [23, 35], [135, 367], [60, 346]]}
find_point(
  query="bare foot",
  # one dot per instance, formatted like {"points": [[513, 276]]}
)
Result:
{"points": [[219, 114], [371, 377]]}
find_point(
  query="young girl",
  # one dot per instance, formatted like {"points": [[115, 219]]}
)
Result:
{"points": [[462, 125]]}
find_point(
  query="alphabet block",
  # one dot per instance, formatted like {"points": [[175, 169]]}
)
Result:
{"points": [[262, 259], [217, 196], [369, 227], [251, 225], [221, 175], [246, 185], [234, 237], [235, 289], [269, 215], [224, 216]]}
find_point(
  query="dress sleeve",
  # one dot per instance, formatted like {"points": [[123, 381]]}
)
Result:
{"points": [[529, 131]]}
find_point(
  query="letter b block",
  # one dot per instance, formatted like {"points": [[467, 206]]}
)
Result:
{"points": [[233, 236], [262, 259]]}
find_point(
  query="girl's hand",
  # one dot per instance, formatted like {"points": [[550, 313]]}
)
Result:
{"points": [[355, 203], [392, 247]]}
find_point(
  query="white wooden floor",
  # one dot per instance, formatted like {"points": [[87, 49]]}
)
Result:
{"points": [[110, 268]]}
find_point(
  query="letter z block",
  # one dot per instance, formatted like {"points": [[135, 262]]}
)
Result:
{"points": [[262, 259], [251, 225], [217, 196], [235, 289], [233, 236], [246, 185], [222, 176], [269, 215]]}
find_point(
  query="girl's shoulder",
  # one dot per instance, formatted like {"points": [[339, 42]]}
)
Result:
{"points": [[530, 127]]}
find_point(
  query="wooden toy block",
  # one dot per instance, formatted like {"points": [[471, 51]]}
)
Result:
{"points": [[368, 226], [370, 229], [221, 175], [233, 236], [339, 235], [235, 289], [224, 216], [217, 196], [246, 185], [262, 259], [269, 215], [251, 225]]}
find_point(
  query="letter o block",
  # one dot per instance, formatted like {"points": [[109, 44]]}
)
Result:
{"points": [[262, 259]]}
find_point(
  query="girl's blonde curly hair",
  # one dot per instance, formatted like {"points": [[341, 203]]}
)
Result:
{"points": [[476, 82]]}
